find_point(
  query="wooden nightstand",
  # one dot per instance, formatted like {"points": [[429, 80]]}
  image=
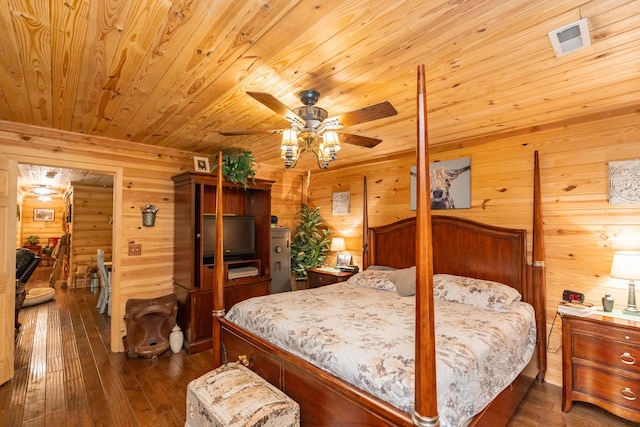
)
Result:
{"points": [[601, 364], [317, 277]]}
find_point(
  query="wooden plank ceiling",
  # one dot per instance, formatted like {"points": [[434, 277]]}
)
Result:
{"points": [[174, 73]]}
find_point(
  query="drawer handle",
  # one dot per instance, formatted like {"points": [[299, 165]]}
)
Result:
{"points": [[627, 359], [626, 393]]}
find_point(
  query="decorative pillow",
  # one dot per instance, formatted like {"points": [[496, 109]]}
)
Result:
{"points": [[378, 279], [380, 267], [476, 292], [405, 281]]}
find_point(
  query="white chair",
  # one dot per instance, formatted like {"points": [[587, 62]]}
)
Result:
{"points": [[105, 283]]}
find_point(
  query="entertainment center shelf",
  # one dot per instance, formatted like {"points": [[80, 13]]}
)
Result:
{"points": [[194, 272], [232, 273]]}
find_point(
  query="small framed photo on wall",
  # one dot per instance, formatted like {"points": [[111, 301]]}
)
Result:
{"points": [[201, 164], [46, 215], [340, 203]]}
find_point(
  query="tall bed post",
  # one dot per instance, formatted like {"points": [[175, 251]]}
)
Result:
{"points": [[539, 270], [426, 402], [365, 228], [218, 286]]}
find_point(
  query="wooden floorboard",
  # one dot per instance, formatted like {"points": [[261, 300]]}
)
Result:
{"points": [[65, 374]]}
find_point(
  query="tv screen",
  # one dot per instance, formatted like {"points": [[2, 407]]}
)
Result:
{"points": [[238, 234]]}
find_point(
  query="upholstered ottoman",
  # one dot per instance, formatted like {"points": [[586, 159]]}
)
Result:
{"points": [[234, 396]]}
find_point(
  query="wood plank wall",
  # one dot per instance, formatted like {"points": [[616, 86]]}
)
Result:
{"points": [[582, 230], [142, 175]]}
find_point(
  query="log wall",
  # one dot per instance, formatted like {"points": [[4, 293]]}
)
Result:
{"points": [[42, 229], [91, 227]]}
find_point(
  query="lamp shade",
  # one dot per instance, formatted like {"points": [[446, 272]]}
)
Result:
{"points": [[626, 265], [337, 244]]}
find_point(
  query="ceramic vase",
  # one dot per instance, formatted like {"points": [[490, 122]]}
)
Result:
{"points": [[176, 339], [607, 303]]}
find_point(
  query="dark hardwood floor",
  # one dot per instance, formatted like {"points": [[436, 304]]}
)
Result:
{"points": [[65, 374]]}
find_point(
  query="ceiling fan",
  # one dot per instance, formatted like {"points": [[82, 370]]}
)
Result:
{"points": [[309, 124]]}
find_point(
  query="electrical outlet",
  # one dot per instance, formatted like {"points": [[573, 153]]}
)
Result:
{"points": [[135, 249]]}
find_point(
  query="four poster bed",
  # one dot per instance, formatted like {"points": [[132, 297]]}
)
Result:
{"points": [[358, 384]]}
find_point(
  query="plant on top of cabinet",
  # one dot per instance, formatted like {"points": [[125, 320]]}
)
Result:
{"points": [[237, 166], [33, 240], [311, 243]]}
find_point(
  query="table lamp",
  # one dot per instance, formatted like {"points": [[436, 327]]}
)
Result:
{"points": [[626, 265], [337, 245]]}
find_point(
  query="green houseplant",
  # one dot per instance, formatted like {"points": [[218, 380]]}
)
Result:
{"points": [[237, 166], [310, 243], [33, 240]]}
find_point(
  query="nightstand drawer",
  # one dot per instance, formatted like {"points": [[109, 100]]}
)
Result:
{"points": [[318, 277], [316, 280], [615, 354], [613, 388]]}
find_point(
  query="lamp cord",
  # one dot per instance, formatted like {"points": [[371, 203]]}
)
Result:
{"points": [[549, 337]]}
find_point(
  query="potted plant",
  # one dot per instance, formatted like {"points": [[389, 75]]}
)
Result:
{"points": [[310, 243], [33, 244], [237, 166]]}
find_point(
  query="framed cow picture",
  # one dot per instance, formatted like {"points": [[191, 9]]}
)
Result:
{"points": [[450, 184]]}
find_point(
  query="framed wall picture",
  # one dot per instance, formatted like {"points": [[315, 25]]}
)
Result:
{"points": [[450, 184], [340, 203], [201, 164], [624, 182], [46, 215]]}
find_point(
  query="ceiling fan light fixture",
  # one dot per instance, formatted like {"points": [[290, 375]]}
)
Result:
{"points": [[289, 148], [330, 145], [311, 130]]}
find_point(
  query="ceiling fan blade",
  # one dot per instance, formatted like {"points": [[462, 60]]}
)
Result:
{"points": [[362, 141], [366, 114], [249, 132], [274, 104]]}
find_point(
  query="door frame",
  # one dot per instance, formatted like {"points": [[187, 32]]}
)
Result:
{"points": [[117, 172]]}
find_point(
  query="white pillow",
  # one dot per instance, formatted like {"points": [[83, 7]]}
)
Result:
{"points": [[377, 279], [475, 292]]}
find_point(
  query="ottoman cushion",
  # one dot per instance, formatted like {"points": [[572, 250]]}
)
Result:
{"points": [[234, 396]]}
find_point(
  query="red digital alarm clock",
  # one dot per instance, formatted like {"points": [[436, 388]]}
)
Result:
{"points": [[572, 296]]}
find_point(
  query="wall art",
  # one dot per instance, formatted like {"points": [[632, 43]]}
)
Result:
{"points": [[624, 182], [47, 215], [340, 203], [450, 184]]}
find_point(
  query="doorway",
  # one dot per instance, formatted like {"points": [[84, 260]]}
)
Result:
{"points": [[68, 214]]}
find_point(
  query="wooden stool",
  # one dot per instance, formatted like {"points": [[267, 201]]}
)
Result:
{"points": [[234, 396]]}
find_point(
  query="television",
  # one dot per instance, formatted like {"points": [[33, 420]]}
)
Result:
{"points": [[238, 234]]}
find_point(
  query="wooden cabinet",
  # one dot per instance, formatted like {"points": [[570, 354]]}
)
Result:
{"points": [[601, 364], [317, 277], [194, 271]]}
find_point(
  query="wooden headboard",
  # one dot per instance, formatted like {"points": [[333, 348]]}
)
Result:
{"points": [[460, 246]]}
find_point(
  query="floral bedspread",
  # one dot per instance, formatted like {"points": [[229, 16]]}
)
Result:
{"points": [[366, 337]]}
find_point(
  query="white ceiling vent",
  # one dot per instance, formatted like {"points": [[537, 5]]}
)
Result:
{"points": [[571, 37]]}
